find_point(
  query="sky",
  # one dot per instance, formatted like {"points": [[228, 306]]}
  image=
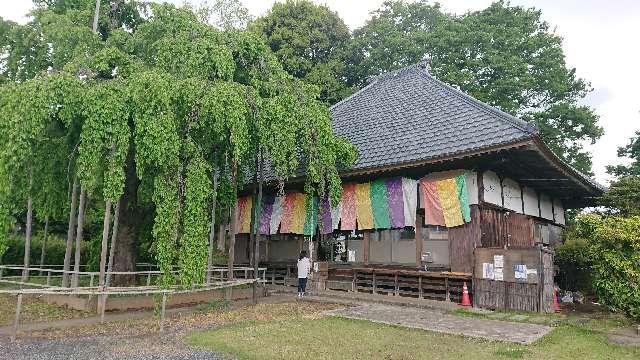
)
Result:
{"points": [[600, 41]]}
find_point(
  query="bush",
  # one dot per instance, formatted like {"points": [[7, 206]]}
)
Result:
{"points": [[54, 254], [614, 248], [574, 265]]}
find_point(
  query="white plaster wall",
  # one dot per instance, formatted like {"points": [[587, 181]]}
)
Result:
{"points": [[471, 178], [492, 188], [512, 195], [546, 207], [530, 198], [558, 212]]}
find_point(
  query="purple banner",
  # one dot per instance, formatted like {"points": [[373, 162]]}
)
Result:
{"points": [[265, 216], [396, 203]]}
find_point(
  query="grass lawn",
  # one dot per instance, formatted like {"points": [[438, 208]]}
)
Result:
{"points": [[296, 337]]}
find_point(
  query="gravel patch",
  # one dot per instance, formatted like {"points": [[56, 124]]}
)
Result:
{"points": [[143, 347]]}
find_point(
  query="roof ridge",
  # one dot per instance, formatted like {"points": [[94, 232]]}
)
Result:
{"points": [[518, 123]]}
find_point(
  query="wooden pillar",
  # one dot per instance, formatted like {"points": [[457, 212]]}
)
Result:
{"points": [[419, 241], [162, 311], [16, 320], [365, 248]]}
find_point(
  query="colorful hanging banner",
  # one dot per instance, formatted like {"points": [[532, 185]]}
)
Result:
{"points": [[244, 219], [380, 204], [276, 215], [463, 196], [348, 209], [430, 201], [299, 214], [448, 193], [395, 202], [364, 214], [265, 214], [410, 197], [311, 216], [335, 215], [287, 213]]}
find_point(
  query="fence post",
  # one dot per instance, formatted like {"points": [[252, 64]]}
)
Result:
{"points": [[149, 278], [353, 282], [16, 320], [396, 286], [446, 289], [374, 281], [164, 305], [48, 277], [90, 280], [420, 294]]}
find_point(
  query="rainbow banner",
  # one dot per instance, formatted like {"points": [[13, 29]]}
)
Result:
{"points": [[380, 204], [243, 214], [445, 202]]}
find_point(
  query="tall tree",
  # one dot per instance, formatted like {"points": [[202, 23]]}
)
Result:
{"points": [[309, 40], [630, 151], [506, 56], [148, 114]]}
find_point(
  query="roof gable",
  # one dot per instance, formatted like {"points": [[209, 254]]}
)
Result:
{"points": [[407, 115]]}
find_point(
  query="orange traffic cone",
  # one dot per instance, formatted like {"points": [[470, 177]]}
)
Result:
{"points": [[556, 305], [466, 301]]}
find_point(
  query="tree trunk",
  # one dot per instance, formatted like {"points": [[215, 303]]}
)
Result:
{"points": [[105, 241], [27, 240], [256, 251], [114, 233], [212, 230], [126, 248], [233, 228], [222, 234], [79, 233], [96, 15], [44, 242], [70, 233]]}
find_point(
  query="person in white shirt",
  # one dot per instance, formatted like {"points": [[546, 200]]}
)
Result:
{"points": [[304, 265]]}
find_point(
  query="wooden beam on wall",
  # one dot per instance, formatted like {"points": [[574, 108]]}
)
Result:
{"points": [[365, 247], [418, 240]]}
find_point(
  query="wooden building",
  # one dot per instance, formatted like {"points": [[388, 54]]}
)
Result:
{"points": [[408, 125]]}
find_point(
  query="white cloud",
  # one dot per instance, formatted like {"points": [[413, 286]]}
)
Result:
{"points": [[600, 41]]}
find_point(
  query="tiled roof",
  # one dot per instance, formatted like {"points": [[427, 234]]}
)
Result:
{"points": [[407, 115]]}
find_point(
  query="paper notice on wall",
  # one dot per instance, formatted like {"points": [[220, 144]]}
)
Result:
{"points": [[351, 256], [498, 261], [520, 272], [315, 267], [487, 270], [498, 274]]}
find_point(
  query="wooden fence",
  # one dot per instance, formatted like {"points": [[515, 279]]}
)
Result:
{"points": [[391, 282], [492, 294]]}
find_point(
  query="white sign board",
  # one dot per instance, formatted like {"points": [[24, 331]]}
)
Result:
{"points": [[487, 270], [498, 261], [498, 274]]}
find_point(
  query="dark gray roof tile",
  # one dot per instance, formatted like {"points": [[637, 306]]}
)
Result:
{"points": [[407, 115]]}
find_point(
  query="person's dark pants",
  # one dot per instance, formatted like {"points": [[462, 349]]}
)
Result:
{"points": [[302, 284]]}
